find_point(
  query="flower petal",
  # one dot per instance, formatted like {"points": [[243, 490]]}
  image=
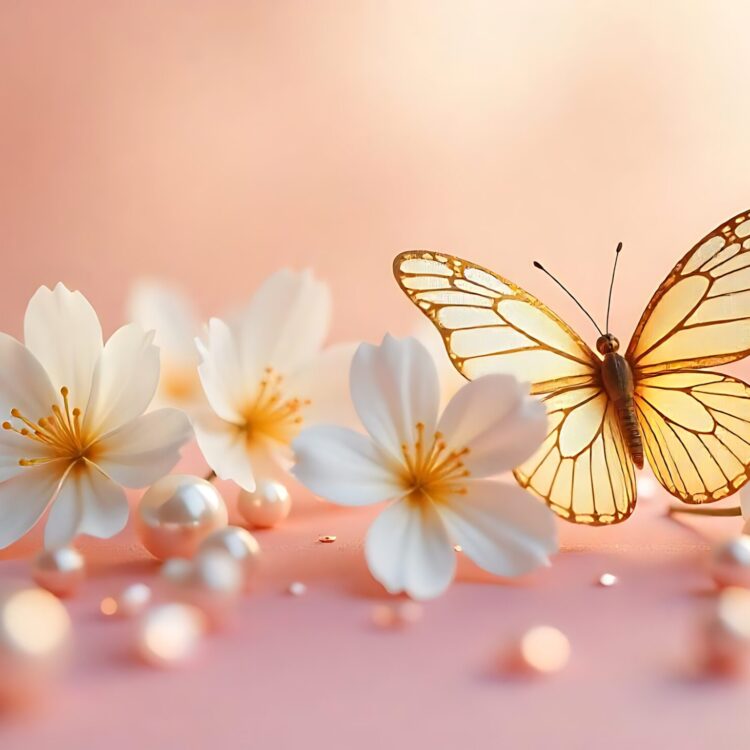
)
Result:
{"points": [[496, 419], [394, 386], [165, 309], [24, 498], [343, 466], [408, 549], [324, 382], [88, 503], [125, 379], [14, 448], [24, 384], [501, 527], [225, 449], [144, 449], [224, 381], [62, 330], [285, 324]]}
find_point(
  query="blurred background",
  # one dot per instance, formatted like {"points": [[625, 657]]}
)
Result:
{"points": [[210, 143]]}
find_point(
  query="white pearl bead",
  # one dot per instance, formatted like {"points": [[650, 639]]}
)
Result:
{"points": [[268, 506], [727, 633], [61, 571], [239, 544], [168, 634], [35, 634], [177, 513]]}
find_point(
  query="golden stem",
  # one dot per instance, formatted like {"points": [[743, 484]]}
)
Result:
{"points": [[737, 511]]}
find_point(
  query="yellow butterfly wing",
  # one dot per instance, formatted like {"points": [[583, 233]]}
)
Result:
{"points": [[696, 432], [489, 324], [582, 470], [696, 424]]}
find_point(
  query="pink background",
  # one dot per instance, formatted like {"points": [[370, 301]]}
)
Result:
{"points": [[211, 142]]}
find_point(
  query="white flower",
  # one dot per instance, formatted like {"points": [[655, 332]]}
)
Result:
{"points": [[168, 312], [266, 375], [433, 470], [74, 428]]}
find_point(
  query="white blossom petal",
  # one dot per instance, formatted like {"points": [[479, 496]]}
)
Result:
{"points": [[24, 384], [408, 549], [325, 383], [125, 379], [224, 382], [224, 447], [165, 309], [14, 448], [144, 449], [285, 324], [88, 503], [496, 419], [62, 330], [501, 527], [344, 467], [24, 498], [394, 386]]}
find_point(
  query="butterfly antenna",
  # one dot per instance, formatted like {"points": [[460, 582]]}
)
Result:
{"points": [[612, 282], [538, 265]]}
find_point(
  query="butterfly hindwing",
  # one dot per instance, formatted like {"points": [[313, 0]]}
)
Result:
{"points": [[583, 469], [696, 432]]}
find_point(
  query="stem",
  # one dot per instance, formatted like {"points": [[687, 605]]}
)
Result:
{"points": [[210, 476], [705, 511]]}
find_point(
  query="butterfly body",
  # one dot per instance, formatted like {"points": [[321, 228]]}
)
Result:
{"points": [[659, 400], [617, 379]]}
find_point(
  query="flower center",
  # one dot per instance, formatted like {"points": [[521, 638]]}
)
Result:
{"points": [[269, 414], [433, 470], [60, 432]]}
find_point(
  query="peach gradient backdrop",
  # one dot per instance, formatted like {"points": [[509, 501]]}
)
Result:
{"points": [[211, 142]]}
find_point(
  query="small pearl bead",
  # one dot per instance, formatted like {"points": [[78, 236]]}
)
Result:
{"points": [[177, 513], [267, 506], [239, 544], [383, 616], [61, 571], [730, 562], [607, 580]]}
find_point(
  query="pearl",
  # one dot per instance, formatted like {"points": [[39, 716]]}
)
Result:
{"points": [[727, 633], [177, 513], [267, 507], [730, 563], [646, 486], [383, 616], [544, 649], [61, 571], [297, 588], [212, 583], [35, 635], [168, 634], [409, 613], [176, 570], [239, 544], [607, 580]]}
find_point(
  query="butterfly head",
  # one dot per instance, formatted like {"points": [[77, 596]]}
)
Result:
{"points": [[607, 344]]}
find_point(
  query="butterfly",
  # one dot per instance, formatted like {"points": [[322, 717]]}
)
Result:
{"points": [[608, 410]]}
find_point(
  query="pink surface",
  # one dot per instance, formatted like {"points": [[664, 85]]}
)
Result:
{"points": [[314, 672], [211, 143]]}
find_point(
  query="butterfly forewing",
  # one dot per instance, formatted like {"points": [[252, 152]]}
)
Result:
{"points": [[700, 315], [488, 324]]}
